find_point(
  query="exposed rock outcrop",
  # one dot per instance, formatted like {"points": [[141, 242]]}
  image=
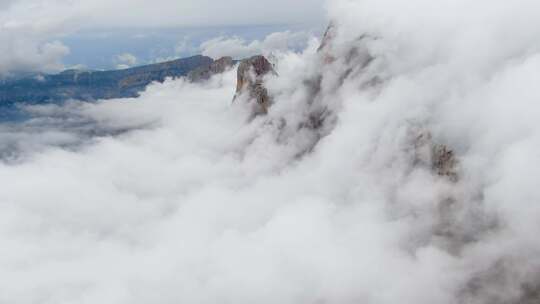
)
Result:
{"points": [[440, 158], [508, 273], [250, 83], [444, 162], [329, 36], [337, 62], [206, 72]]}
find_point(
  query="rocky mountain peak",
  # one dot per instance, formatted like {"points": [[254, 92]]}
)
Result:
{"points": [[250, 82]]}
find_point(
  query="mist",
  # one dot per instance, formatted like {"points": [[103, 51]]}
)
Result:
{"points": [[182, 196]]}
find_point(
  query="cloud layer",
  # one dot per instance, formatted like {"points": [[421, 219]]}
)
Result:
{"points": [[178, 197], [239, 48]]}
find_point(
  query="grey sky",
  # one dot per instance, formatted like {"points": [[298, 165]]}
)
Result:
{"points": [[143, 13]]}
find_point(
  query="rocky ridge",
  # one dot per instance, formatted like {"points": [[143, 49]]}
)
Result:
{"points": [[320, 118], [457, 215], [206, 72], [94, 85]]}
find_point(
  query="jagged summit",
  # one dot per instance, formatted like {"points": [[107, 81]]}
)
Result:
{"points": [[250, 83], [337, 64]]}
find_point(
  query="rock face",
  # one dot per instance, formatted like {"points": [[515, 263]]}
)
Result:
{"points": [[328, 36], [206, 72], [326, 42], [444, 162], [250, 83], [440, 158]]}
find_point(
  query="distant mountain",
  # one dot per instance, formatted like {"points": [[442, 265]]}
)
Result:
{"points": [[205, 72], [93, 85]]}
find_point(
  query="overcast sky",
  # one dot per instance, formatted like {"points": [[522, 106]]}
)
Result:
{"points": [[142, 13], [33, 33]]}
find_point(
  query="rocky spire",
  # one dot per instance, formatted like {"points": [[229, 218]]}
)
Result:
{"points": [[250, 83]]}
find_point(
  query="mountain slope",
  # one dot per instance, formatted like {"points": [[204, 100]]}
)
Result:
{"points": [[92, 85]]}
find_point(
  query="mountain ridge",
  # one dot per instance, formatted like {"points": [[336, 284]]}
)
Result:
{"points": [[94, 85]]}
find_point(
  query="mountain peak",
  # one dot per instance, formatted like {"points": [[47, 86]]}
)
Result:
{"points": [[250, 82]]}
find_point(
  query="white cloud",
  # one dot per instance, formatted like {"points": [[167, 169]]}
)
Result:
{"points": [[185, 47], [181, 199], [125, 60], [239, 48], [24, 51]]}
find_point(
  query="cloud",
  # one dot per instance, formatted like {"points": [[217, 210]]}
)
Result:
{"points": [[185, 47], [239, 48], [177, 197], [24, 51], [30, 40], [125, 60], [6, 3]]}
